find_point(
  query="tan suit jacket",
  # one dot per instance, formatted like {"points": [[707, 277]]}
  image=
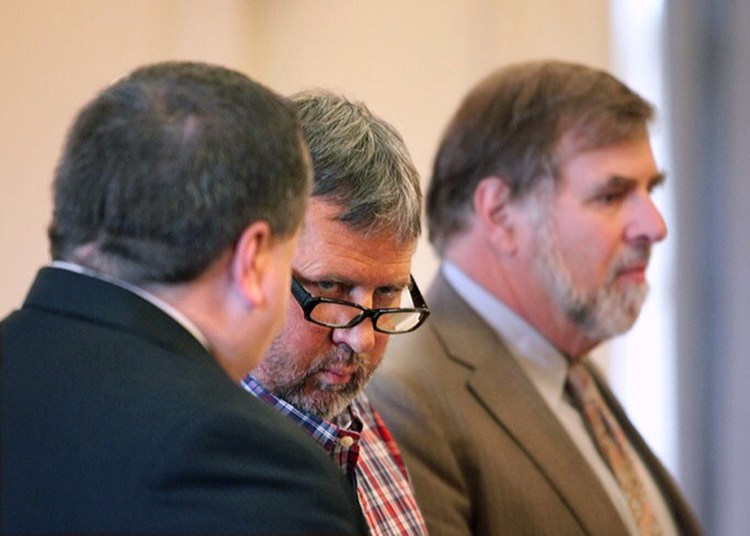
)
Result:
{"points": [[486, 454]]}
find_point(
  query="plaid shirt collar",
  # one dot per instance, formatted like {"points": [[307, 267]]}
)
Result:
{"points": [[331, 436], [365, 451]]}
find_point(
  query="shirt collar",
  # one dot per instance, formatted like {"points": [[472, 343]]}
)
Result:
{"points": [[545, 366], [327, 433]]}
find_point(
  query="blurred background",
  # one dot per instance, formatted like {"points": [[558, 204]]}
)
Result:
{"points": [[682, 372]]}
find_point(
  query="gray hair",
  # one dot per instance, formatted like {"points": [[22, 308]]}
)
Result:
{"points": [[361, 163]]}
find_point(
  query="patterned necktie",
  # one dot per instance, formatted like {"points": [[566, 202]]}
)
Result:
{"points": [[611, 441]]}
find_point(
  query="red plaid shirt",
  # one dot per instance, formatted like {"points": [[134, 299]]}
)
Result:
{"points": [[362, 446]]}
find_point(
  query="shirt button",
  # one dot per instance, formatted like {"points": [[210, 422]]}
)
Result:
{"points": [[346, 442]]}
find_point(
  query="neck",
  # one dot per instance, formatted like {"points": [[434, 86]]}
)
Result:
{"points": [[526, 297]]}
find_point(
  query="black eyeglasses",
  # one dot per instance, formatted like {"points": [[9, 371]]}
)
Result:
{"points": [[333, 313]]}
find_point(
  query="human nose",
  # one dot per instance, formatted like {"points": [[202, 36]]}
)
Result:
{"points": [[649, 224], [360, 338]]}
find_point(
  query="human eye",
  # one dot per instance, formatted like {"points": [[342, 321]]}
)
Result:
{"points": [[329, 289], [389, 296], [611, 197], [613, 192]]}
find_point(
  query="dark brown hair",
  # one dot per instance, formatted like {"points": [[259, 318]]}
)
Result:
{"points": [[166, 167]]}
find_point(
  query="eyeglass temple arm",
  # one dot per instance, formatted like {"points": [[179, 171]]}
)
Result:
{"points": [[416, 295]]}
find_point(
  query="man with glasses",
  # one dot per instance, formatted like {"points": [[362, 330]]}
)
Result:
{"points": [[353, 288]]}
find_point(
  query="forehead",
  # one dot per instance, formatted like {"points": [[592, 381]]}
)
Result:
{"points": [[329, 248]]}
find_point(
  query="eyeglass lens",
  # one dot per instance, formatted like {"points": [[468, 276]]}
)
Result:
{"points": [[341, 315]]}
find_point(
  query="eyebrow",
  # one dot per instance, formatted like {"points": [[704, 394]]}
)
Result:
{"points": [[349, 283], [618, 181], [658, 180]]}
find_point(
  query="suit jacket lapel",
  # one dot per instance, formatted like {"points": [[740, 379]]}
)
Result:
{"points": [[503, 389]]}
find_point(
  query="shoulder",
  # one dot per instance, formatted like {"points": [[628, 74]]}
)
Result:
{"points": [[248, 467]]}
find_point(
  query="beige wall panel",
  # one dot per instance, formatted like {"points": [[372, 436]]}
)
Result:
{"points": [[411, 61]]}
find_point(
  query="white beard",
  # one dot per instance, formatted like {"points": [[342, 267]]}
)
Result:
{"points": [[602, 313]]}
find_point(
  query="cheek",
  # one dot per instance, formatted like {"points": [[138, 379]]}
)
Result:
{"points": [[302, 339], [588, 251]]}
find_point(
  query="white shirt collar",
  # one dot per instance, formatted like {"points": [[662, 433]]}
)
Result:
{"points": [[545, 366]]}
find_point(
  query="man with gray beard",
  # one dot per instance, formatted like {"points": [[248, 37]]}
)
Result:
{"points": [[540, 208], [352, 286]]}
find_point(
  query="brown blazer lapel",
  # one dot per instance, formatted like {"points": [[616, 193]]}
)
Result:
{"points": [[503, 389]]}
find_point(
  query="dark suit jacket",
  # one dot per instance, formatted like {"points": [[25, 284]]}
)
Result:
{"points": [[116, 420], [486, 454]]}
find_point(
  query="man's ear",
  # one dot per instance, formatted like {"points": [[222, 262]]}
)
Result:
{"points": [[494, 212], [251, 261]]}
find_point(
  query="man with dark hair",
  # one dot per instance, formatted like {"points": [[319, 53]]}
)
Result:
{"points": [[353, 290], [540, 208], [178, 199]]}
